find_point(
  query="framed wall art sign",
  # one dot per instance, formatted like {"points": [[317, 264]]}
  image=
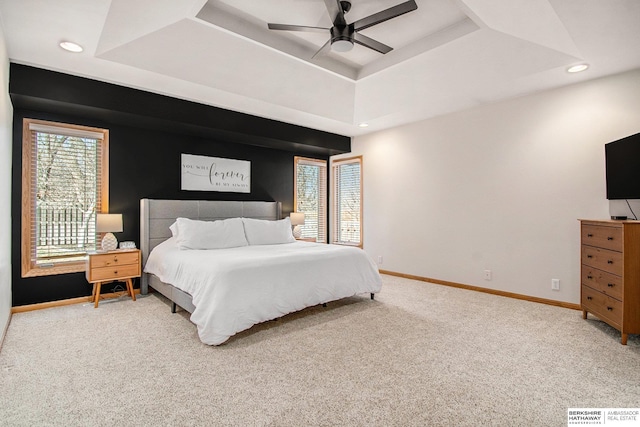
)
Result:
{"points": [[202, 173]]}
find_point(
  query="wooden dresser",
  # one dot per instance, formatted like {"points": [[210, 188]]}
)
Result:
{"points": [[610, 273]]}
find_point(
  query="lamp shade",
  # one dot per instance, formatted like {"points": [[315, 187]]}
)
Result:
{"points": [[109, 223], [297, 218]]}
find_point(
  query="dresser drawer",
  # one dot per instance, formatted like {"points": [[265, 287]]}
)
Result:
{"points": [[602, 237], [607, 283], [105, 260], [606, 308], [603, 259], [100, 274]]}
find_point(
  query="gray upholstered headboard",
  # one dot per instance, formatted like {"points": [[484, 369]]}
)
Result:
{"points": [[157, 215]]}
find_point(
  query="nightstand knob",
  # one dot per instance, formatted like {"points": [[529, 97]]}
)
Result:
{"points": [[115, 259], [589, 235], [609, 261], [609, 238], [115, 272], [611, 285], [589, 298], [589, 256], [610, 308], [589, 277]]}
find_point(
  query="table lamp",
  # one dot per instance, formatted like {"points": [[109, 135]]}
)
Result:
{"points": [[297, 219], [109, 223]]}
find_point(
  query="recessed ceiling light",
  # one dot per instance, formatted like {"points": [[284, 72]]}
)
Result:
{"points": [[577, 68], [363, 125], [71, 47]]}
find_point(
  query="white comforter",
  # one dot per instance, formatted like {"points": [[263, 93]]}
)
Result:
{"points": [[236, 288]]}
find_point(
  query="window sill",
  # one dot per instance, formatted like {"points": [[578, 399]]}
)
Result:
{"points": [[357, 245], [36, 271]]}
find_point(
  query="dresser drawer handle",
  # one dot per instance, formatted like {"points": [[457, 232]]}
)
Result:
{"points": [[589, 235], [611, 285], [589, 298], [590, 277], [589, 256], [115, 259], [610, 308], [609, 238], [609, 261], [115, 272]]}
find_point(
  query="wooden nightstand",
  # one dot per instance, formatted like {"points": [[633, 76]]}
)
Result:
{"points": [[122, 266]]}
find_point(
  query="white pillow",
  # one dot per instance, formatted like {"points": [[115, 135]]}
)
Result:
{"points": [[174, 229], [263, 232], [194, 234]]}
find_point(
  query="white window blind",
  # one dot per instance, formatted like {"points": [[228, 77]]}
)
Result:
{"points": [[65, 183], [347, 201], [311, 196]]}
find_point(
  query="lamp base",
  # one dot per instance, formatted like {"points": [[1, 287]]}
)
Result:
{"points": [[109, 242], [297, 232]]}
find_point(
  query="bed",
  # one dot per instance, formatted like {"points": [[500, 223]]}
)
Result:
{"points": [[230, 289]]}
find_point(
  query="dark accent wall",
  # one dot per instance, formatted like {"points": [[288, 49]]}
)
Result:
{"points": [[147, 135]]}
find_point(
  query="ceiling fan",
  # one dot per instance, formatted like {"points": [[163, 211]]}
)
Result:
{"points": [[344, 35]]}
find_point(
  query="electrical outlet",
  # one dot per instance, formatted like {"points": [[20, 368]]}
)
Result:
{"points": [[487, 275], [379, 259], [555, 284]]}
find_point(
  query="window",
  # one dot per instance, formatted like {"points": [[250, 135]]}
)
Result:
{"points": [[64, 184], [310, 183], [347, 201]]}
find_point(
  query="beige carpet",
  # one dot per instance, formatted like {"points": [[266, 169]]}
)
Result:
{"points": [[419, 355]]}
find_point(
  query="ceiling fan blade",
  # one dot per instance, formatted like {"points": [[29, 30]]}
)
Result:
{"points": [[371, 43], [324, 49], [286, 27], [385, 15], [335, 12]]}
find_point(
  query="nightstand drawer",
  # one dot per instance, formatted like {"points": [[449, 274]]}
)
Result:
{"points": [[114, 272], [602, 259], [607, 283], [606, 308], [110, 259], [602, 237]]}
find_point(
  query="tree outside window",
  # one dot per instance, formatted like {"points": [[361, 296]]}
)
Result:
{"points": [[64, 186], [347, 201], [311, 196]]}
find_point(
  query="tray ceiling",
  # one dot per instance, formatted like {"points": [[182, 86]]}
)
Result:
{"points": [[448, 54]]}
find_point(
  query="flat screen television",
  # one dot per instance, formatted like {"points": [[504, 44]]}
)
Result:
{"points": [[622, 159]]}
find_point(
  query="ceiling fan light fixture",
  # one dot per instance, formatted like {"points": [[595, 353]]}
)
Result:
{"points": [[343, 45]]}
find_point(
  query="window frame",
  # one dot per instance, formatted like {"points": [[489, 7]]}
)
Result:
{"points": [[29, 268], [323, 202], [335, 232]]}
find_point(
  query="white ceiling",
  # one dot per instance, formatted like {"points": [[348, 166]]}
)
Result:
{"points": [[448, 54]]}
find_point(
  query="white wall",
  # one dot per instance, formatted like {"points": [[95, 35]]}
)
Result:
{"points": [[497, 187], [6, 114]]}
